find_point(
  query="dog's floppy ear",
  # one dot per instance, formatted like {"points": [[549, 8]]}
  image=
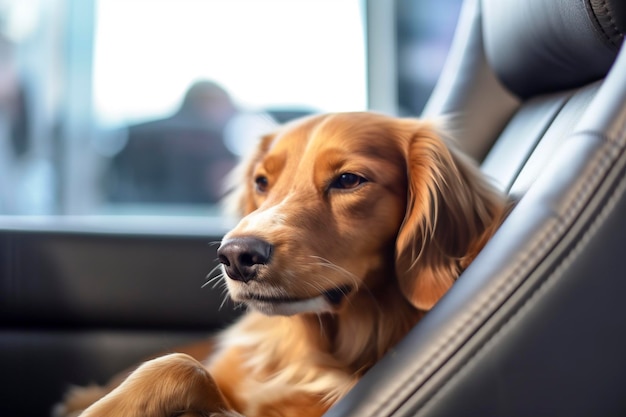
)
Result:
{"points": [[239, 200], [451, 213]]}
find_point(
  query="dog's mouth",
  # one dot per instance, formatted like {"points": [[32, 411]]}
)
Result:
{"points": [[292, 305], [333, 296]]}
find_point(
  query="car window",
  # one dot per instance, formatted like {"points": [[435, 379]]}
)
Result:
{"points": [[141, 107]]}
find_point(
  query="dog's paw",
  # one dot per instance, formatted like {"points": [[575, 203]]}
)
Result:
{"points": [[78, 399]]}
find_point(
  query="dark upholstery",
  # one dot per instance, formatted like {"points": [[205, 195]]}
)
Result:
{"points": [[77, 308], [535, 326]]}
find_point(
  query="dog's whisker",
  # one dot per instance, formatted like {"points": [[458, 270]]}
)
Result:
{"points": [[316, 287], [225, 298], [209, 282], [220, 282], [225, 292], [210, 279], [331, 283], [322, 330], [215, 268], [326, 263], [355, 281], [216, 280]]}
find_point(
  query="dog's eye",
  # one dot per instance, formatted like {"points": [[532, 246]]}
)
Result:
{"points": [[262, 183], [347, 181]]}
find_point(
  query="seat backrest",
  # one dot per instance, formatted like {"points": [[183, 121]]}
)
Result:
{"points": [[535, 325]]}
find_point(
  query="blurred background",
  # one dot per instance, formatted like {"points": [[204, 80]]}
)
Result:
{"points": [[141, 107]]}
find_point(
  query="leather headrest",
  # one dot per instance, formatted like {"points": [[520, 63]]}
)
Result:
{"points": [[540, 46]]}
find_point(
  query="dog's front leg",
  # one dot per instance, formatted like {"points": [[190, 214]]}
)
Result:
{"points": [[169, 386]]}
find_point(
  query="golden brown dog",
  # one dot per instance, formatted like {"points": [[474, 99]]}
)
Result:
{"points": [[354, 225]]}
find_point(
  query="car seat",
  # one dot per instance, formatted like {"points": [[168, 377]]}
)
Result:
{"points": [[536, 325]]}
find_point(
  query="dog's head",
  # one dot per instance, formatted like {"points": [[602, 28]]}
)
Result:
{"points": [[337, 204]]}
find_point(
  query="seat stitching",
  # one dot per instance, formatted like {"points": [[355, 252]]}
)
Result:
{"points": [[616, 34], [502, 291], [597, 222]]}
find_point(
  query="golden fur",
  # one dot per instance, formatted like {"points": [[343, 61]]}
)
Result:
{"points": [[370, 220]]}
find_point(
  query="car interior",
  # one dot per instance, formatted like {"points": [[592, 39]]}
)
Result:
{"points": [[535, 91]]}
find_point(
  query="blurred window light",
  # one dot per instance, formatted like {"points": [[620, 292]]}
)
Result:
{"points": [[264, 53], [142, 106]]}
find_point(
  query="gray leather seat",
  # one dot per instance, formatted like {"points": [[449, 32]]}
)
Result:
{"points": [[536, 325]]}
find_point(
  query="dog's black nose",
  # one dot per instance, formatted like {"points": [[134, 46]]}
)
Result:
{"points": [[242, 257]]}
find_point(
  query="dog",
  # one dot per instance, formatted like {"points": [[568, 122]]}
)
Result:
{"points": [[353, 225]]}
